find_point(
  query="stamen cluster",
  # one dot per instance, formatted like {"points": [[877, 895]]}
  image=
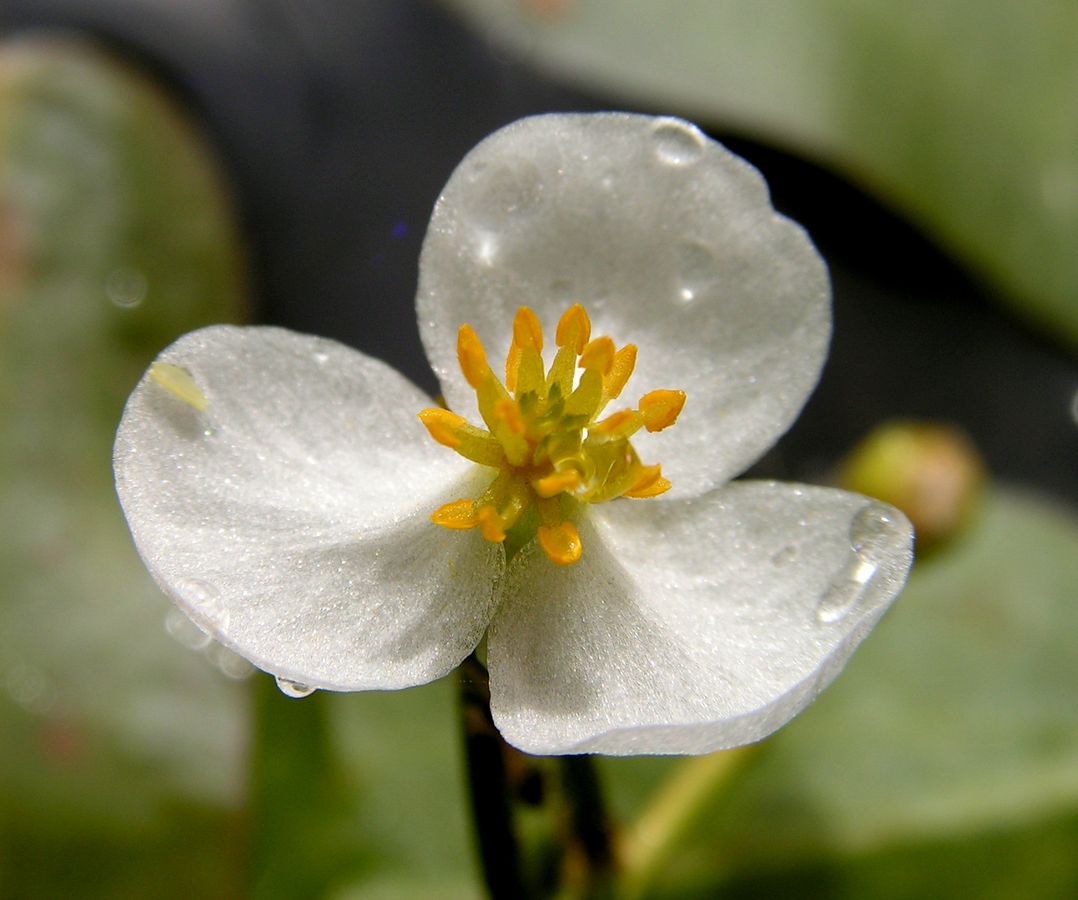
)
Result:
{"points": [[544, 434]]}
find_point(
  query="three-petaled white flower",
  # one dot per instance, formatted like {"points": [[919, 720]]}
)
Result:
{"points": [[281, 490]]}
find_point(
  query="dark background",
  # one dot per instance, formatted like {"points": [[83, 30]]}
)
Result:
{"points": [[339, 122]]}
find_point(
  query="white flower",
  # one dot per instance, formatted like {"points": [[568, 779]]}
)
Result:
{"points": [[280, 487]]}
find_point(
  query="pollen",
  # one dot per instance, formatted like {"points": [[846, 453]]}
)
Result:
{"points": [[179, 383], [547, 442]]}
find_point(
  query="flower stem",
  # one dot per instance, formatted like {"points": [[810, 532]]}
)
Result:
{"points": [[486, 752], [590, 827]]}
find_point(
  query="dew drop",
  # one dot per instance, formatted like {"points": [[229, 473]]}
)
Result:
{"points": [[677, 143], [183, 630], [872, 540], [204, 601], [228, 663], [294, 689], [126, 287]]}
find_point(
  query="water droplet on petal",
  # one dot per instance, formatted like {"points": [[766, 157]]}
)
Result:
{"points": [[126, 287], [873, 538], [677, 143], [204, 602], [186, 632], [294, 689], [229, 663]]}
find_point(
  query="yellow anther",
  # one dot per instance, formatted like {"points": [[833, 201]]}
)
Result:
{"points": [[472, 356], [620, 370], [567, 480], [445, 427], [622, 424], [660, 409], [598, 355], [452, 431], [507, 411], [650, 483], [658, 486], [527, 342], [527, 332], [574, 329], [543, 435], [491, 524], [178, 382], [459, 515], [561, 543]]}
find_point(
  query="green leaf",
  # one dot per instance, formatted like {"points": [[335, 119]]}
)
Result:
{"points": [[122, 747], [960, 114]]}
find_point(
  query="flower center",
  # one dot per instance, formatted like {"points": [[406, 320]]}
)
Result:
{"points": [[544, 436]]}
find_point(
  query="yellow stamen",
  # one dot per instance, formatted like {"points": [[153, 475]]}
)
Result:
{"points": [[544, 436], [658, 486], [509, 429], [506, 410], [472, 356], [660, 409], [444, 426], [458, 515], [450, 430], [650, 483], [622, 424], [551, 485], [178, 382], [574, 329], [598, 355], [527, 332], [620, 370], [490, 523], [561, 543]]}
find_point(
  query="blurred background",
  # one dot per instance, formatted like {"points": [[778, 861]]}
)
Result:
{"points": [[167, 164]]}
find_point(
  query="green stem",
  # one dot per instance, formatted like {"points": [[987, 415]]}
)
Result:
{"points": [[486, 752], [676, 806]]}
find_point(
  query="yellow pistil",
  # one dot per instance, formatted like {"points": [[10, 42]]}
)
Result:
{"points": [[545, 437]]}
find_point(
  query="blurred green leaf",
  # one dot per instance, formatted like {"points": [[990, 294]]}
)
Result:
{"points": [[122, 747], [960, 114], [953, 725]]}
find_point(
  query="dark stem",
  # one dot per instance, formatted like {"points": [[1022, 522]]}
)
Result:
{"points": [[492, 810], [590, 826]]}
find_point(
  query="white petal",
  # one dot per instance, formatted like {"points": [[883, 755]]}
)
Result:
{"points": [[290, 519], [693, 625], [669, 241]]}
